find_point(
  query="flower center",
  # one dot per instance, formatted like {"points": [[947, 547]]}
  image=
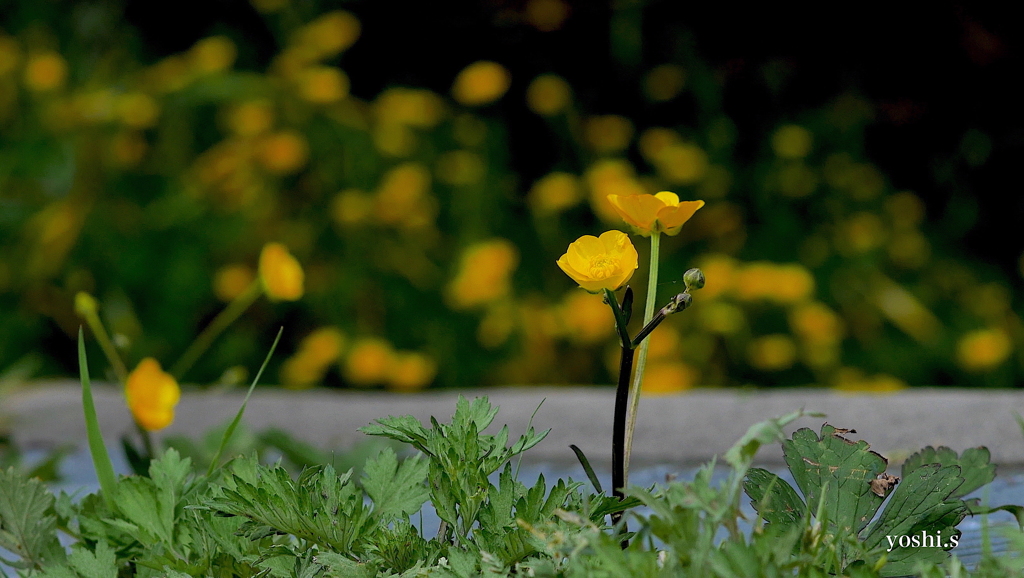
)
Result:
{"points": [[602, 267]]}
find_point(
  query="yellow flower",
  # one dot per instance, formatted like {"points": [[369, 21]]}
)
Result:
{"points": [[152, 395], [585, 318], [323, 85], [411, 371], [483, 276], [608, 133], [283, 152], [316, 353], [548, 95], [281, 274], [660, 213], [668, 377], [555, 193], [597, 263], [983, 349], [369, 361], [230, 281], [138, 110], [45, 71], [480, 83], [250, 118], [330, 34], [792, 141], [772, 352], [212, 55]]}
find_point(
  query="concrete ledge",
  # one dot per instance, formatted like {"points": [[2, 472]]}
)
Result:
{"points": [[681, 429]]}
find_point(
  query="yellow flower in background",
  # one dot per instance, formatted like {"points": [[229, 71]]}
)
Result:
{"points": [[330, 34], [772, 352], [323, 84], [460, 167], [45, 71], [598, 263], [664, 82], [369, 362], [611, 177], [403, 193], [792, 141], [482, 82], [983, 349], [853, 381], [138, 110], [682, 163], [608, 133], [316, 353], [483, 274], [152, 395], [281, 273], [554, 193], [781, 283], [212, 55], [230, 281], [283, 152], [585, 317], [668, 377], [548, 95], [816, 323], [351, 207], [252, 118], [10, 54], [411, 371], [546, 15], [408, 106], [660, 213]]}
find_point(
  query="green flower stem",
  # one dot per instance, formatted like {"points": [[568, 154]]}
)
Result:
{"points": [[92, 319], [634, 392], [226, 317]]}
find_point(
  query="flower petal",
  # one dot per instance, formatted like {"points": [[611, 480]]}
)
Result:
{"points": [[672, 219]]}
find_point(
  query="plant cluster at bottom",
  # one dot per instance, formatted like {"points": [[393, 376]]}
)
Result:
{"points": [[247, 518]]}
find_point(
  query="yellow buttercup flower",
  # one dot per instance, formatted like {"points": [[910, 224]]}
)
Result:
{"points": [[481, 83], [281, 273], [152, 395], [597, 263], [660, 213]]}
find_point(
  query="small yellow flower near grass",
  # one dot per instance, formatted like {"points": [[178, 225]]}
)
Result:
{"points": [[152, 395], [280, 273], [660, 213], [599, 263], [317, 352]]}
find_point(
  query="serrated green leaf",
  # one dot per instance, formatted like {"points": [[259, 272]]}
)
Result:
{"points": [[921, 502], [974, 463], [844, 467], [342, 567], [396, 490], [27, 522], [99, 564], [773, 498]]}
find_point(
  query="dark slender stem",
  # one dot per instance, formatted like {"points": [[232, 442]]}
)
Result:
{"points": [[658, 318], [620, 317], [619, 430]]}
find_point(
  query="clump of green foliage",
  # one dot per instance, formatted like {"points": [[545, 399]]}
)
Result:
{"points": [[248, 518]]}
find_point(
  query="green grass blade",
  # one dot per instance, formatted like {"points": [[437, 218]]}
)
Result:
{"points": [[586, 467], [241, 411], [100, 457]]}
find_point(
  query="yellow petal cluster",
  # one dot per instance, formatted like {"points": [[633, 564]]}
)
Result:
{"points": [[317, 352], [484, 274], [660, 213], [480, 83], [598, 263], [281, 273], [152, 395]]}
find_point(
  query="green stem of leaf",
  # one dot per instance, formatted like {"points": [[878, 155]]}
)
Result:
{"points": [[96, 326], [638, 379], [241, 411], [221, 322], [100, 457]]}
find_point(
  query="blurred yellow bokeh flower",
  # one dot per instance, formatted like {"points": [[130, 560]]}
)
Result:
{"points": [[281, 273], [585, 318], [212, 55], [660, 213], [152, 395], [138, 110], [330, 34], [45, 71], [483, 274], [482, 82], [252, 118], [554, 193], [369, 361], [323, 84], [668, 377], [772, 352], [230, 281], [983, 349], [611, 177], [664, 82], [548, 95], [316, 353], [792, 141], [10, 54], [411, 371], [283, 152], [608, 133], [598, 263]]}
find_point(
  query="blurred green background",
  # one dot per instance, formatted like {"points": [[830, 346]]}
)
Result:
{"points": [[427, 163]]}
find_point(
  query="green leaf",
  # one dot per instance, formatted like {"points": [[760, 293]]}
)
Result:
{"points": [[974, 465], [759, 434], [27, 522], [100, 457], [587, 468], [845, 468], [773, 498], [99, 564], [396, 490]]}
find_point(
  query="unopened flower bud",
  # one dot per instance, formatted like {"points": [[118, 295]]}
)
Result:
{"points": [[678, 303], [693, 279], [85, 304]]}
